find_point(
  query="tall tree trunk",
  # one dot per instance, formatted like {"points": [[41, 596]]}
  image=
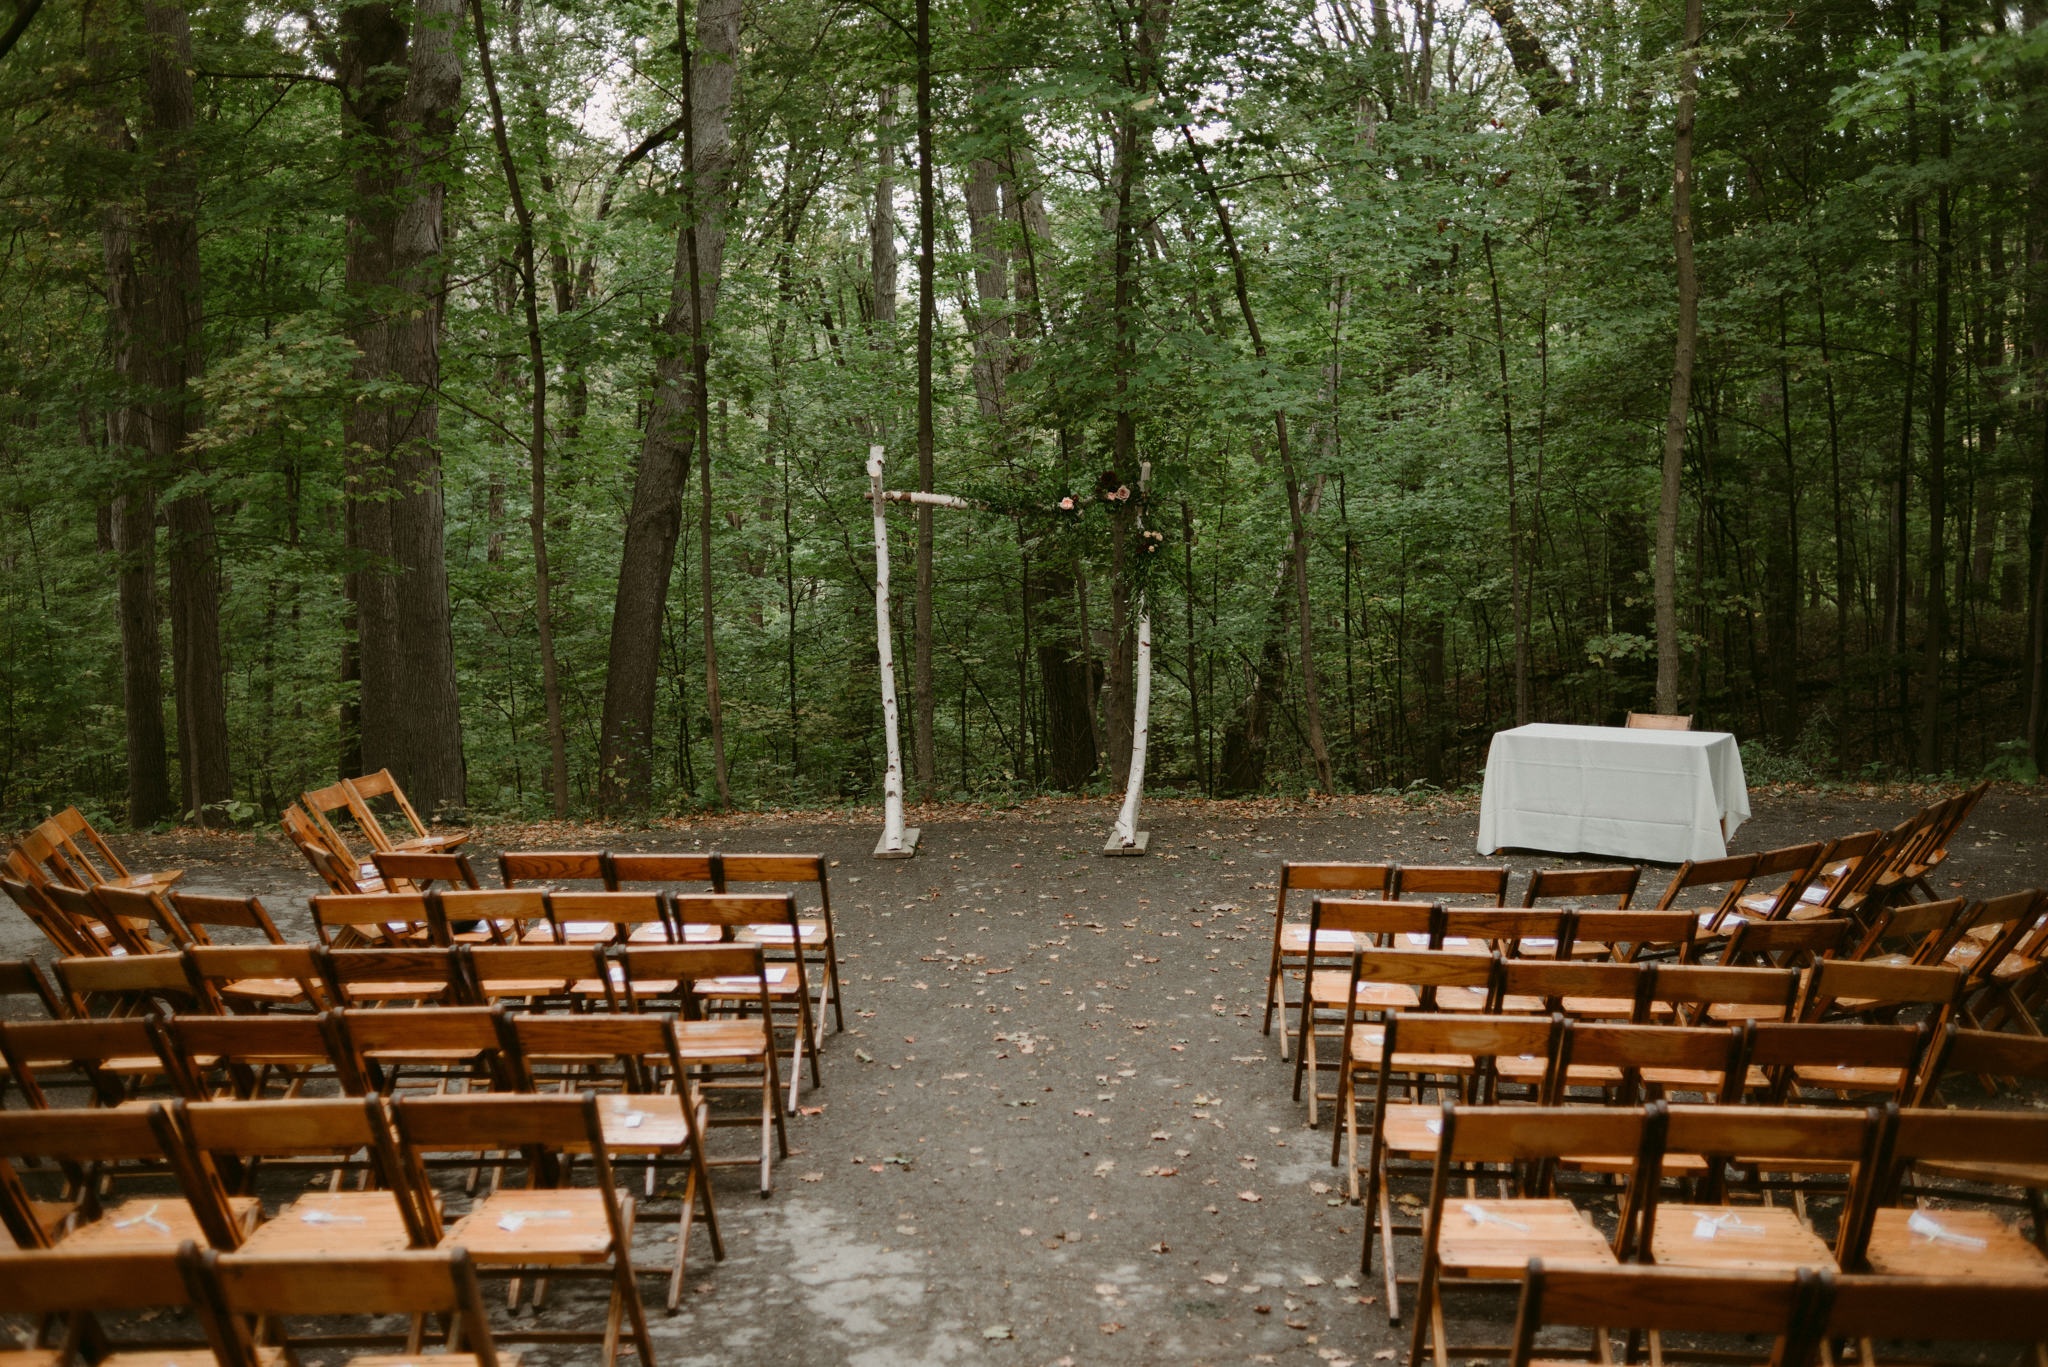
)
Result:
{"points": [[400, 78], [1938, 366], [991, 287], [1665, 588], [537, 438], [134, 506], [924, 704], [882, 255], [1507, 431], [654, 517], [2037, 426]]}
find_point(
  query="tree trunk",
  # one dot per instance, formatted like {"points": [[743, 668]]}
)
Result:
{"points": [[1936, 643], [2037, 409], [537, 440], [1665, 588], [654, 517], [1519, 605], [400, 77], [924, 702], [1068, 681], [991, 287]]}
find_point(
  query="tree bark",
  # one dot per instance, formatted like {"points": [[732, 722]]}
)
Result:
{"points": [[654, 517], [400, 77], [1935, 645], [2037, 426], [170, 353], [1665, 588], [924, 700], [537, 439]]}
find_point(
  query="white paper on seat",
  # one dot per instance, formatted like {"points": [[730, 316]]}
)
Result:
{"points": [[1661, 796]]}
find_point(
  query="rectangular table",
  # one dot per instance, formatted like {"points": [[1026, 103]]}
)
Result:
{"points": [[1661, 796]]}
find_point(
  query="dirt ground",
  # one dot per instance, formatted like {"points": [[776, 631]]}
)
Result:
{"points": [[1052, 1132]]}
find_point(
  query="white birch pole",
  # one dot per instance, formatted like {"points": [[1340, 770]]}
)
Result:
{"points": [[1125, 836], [892, 842]]}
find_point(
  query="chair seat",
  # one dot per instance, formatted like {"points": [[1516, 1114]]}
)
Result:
{"points": [[1530, 1068], [1599, 1008], [341, 1221], [152, 1222], [1848, 1079], [266, 990], [774, 933], [1367, 1042], [1949, 1249], [1407, 1128], [643, 1122], [780, 980], [1685, 1079], [1730, 1013], [2033, 1175], [430, 844], [1327, 989], [494, 988], [562, 1226], [1461, 999], [1496, 1239], [424, 1360], [720, 1041], [1762, 1238], [1294, 941]]}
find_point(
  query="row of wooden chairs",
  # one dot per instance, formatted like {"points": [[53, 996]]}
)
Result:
{"points": [[1467, 1237], [309, 824], [248, 1308], [546, 1226], [1801, 1313]]}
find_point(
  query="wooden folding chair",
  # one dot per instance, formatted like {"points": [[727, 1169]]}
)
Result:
{"points": [[1630, 936], [107, 1056], [86, 1148], [335, 864], [449, 1044], [239, 1057], [21, 978], [730, 871], [129, 1287], [617, 918], [1656, 1300], [1786, 944], [1916, 932], [495, 916], [258, 977], [1460, 1052], [379, 977], [787, 982], [1575, 887], [551, 868], [1290, 943], [1810, 1062], [1841, 989], [1796, 866], [203, 913], [423, 869], [728, 1053], [253, 1289], [1730, 873], [1852, 880], [1658, 721], [545, 1228], [93, 859], [60, 930], [1930, 852], [1709, 1233], [1979, 1053], [1609, 991], [1361, 1046], [92, 921], [1704, 994], [1476, 1239], [363, 789], [1990, 952], [2013, 991], [1938, 1310], [664, 1128], [130, 985], [1337, 928], [1947, 1240], [574, 975], [1488, 882], [219, 1147], [387, 919], [1634, 1064], [666, 870]]}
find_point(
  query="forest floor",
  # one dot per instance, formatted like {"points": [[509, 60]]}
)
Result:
{"points": [[1053, 1132]]}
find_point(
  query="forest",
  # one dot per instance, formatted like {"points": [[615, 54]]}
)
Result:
{"points": [[482, 389]]}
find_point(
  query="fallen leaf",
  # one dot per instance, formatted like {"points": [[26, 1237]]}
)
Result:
{"points": [[812, 1177], [1216, 1278], [1383, 1355], [997, 1331], [1262, 1310], [1107, 1288], [874, 1167], [1111, 1327], [1160, 1247], [1247, 1196], [1311, 1280], [810, 1110], [864, 1056], [1297, 1324], [1347, 1281], [1084, 1113], [1161, 1134], [1104, 1168]]}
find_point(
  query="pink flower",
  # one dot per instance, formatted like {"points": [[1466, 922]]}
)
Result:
{"points": [[1067, 504], [1123, 491]]}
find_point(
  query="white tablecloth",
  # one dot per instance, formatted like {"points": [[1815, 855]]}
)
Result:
{"points": [[1654, 795]]}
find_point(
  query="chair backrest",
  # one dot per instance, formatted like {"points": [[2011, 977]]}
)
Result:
{"points": [[581, 1036], [372, 1038], [1789, 1134], [734, 909], [1837, 980], [1787, 944], [1632, 1048], [378, 917], [85, 846], [1982, 1053], [299, 1127], [90, 919], [1422, 969], [420, 870], [22, 978], [1796, 867], [382, 784], [651, 969], [1538, 1134], [745, 870], [441, 1282], [1638, 1296], [585, 915], [1482, 1038], [1627, 934], [1510, 929], [129, 983], [37, 858], [1327, 876], [622, 870], [1340, 925], [2001, 925], [323, 803], [1938, 1309], [1779, 1048], [2000, 1139], [34, 1283], [359, 977], [148, 905], [115, 1134], [548, 866], [58, 928], [530, 970], [1486, 881], [1554, 980], [242, 1046], [502, 910], [1731, 871], [1704, 985], [1658, 721], [203, 911], [545, 1124], [1923, 932], [1577, 885], [214, 967], [35, 1048]]}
